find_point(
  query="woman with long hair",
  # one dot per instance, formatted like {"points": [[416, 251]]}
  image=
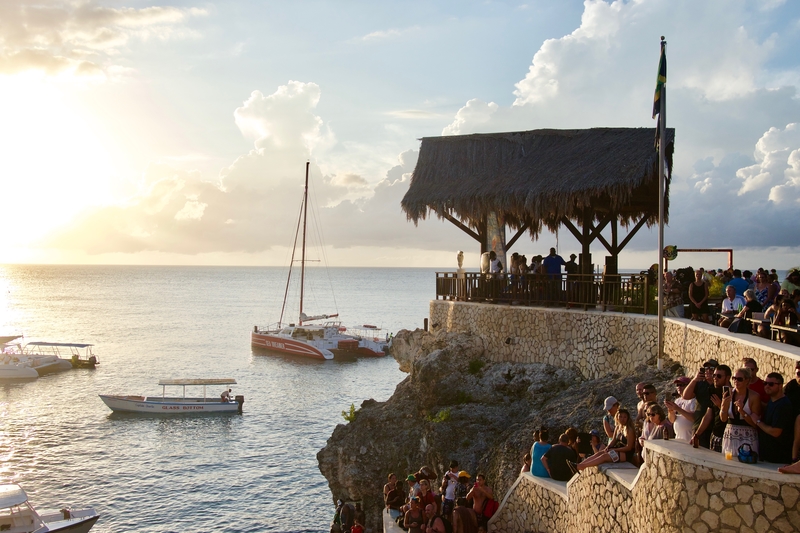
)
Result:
{"points": [[740, 409], [620, 449]]}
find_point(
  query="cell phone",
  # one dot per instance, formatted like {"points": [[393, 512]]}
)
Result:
{"points": [[725, 390]]}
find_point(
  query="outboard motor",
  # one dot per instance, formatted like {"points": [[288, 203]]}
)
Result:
{"points": [[240, 400]]}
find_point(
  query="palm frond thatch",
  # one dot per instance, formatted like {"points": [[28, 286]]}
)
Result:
{"points": [[538, 177]]}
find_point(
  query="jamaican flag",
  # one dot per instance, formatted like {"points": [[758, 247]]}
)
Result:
{"points": [[660, 80]]}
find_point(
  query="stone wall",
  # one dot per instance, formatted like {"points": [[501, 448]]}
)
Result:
{"points": [[680, 489], [596, 343]]}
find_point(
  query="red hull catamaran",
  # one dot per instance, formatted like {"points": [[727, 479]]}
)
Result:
{"points": [[317, 341]]}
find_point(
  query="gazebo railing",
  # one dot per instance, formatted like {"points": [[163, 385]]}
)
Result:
{"points": [[623, 292]]}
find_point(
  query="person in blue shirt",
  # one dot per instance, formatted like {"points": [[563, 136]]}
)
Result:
{"points": [[739, 283], [553, 263], [539, 449]]}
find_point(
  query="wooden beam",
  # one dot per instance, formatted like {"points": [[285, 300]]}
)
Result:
{"points": [[632, 232], [460, 225], [571, 227], [516, 236], [606, 244], [596, 230]]}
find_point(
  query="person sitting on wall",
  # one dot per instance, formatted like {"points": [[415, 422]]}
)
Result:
{"points": [[660, 427], [776, 426], [610, 406], [620, 449], [557, 460], [526, 463], [537, 451], [731, 305], [396, 499]]}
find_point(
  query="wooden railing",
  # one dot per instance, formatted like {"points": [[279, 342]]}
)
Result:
{"points": [[625, 292]]}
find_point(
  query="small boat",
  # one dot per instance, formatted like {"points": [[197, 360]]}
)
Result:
{"points": [[11, 368], [178, 405], [78, 355], [17, 515], [317, 341]]}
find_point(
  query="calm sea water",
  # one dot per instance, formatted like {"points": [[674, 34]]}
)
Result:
{"points": [[250, 472]]}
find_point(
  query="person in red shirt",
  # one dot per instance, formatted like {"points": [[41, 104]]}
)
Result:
{"points": [[756, 383]]}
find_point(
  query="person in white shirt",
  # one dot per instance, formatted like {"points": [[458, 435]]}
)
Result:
{"points": [[730, 306], [681, 412]]}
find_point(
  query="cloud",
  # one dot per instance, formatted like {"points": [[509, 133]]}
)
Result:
{"points": [[381, 35], [721, 100], [253, 205], [79, 38]]}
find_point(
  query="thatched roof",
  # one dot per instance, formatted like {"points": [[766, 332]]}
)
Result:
{"points": [[539, 176]]}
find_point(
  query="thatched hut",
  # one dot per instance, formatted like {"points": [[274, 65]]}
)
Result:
{"points": [[582, 179]]}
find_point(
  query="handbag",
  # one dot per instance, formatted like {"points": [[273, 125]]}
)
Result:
{"points": [[747, 455], [736, 324]]}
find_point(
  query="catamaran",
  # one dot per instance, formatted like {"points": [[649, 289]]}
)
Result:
{"points": [[179, 405], [317, 340]]}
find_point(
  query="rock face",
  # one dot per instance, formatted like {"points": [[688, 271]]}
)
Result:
{"points": [[455, 404]]}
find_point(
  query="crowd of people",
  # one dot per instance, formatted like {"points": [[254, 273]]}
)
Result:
{"points": [[425, 503], [746, 294], [726, 411]]}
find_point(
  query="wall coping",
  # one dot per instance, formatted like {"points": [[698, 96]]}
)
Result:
{"points": [[779, 348], [624, 473], [786, 350], [685, 453]]}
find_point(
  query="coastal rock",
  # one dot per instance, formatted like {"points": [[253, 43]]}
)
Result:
{"points": [[457, 404]]}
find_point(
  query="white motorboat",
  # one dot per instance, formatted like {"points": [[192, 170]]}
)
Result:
{"points": [[317, 341], [178, 405], [11, 368], [17, 515], [78, 355]]}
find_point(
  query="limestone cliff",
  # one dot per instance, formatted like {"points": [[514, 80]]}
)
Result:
{"points": [[454, 404]]}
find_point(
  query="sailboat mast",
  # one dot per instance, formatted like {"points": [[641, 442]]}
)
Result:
{"points": [[303, 256]]}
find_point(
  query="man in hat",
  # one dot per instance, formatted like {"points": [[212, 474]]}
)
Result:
{"points": [[449, 483], [610, 406], [681, 412], [571, 267]]}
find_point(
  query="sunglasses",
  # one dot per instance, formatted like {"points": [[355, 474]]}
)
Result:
{"points": [[738, 378], [771, 383], [719, 376], [651, 414]]}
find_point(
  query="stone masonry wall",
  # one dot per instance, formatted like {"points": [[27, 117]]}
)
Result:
{"points": [[596, 343], [682, 492]]}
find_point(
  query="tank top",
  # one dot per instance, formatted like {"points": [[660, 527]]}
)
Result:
{"points": [[698, 291], [734, 417]]}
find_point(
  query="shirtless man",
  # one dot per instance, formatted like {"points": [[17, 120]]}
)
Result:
{"points": [[225, 396], [480, 494], [433, 522]]}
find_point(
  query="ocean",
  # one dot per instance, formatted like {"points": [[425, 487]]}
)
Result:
{"points": [[230, 473]]}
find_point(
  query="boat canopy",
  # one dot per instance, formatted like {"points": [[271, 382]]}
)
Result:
{"points": [[8, 338], [64, 344], [11, 495], [212, 381]]}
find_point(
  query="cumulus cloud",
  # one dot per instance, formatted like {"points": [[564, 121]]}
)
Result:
{"points": [[79, 38], [253, 205], [719, 100]]}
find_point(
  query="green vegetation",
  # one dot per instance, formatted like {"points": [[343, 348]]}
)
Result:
{"points": [[475, 366], [349, 417], [441, 416]]}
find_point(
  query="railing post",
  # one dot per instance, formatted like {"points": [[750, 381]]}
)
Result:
{"points": [[646, 295]]}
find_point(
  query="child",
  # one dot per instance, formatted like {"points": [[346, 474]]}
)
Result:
{"points": [[526, 463]]}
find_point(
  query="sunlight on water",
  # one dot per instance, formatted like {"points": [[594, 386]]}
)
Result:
{"points": [[249, 472]]}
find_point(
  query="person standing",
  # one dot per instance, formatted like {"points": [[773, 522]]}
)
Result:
{"points": [[610, 406], [776, 427], [673, 301], [740, 408], [698, 297], [681, 412], [449, 483], [480, 494]]}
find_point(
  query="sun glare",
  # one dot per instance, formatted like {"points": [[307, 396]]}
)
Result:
{"points": [[53, 163]]}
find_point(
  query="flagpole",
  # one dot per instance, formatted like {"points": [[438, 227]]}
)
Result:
{"points": [[662, 125]]}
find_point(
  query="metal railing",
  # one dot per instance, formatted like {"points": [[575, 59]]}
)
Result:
{"points": [[623, 292]]}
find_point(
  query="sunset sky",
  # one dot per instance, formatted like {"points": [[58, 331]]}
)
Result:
{"points": [[144, 132]]}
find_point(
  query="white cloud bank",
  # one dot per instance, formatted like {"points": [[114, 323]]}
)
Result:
{"points": [[737, 161], [58, 37]]}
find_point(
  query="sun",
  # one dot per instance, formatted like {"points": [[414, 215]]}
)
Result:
{"points": [[54, 162]]}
